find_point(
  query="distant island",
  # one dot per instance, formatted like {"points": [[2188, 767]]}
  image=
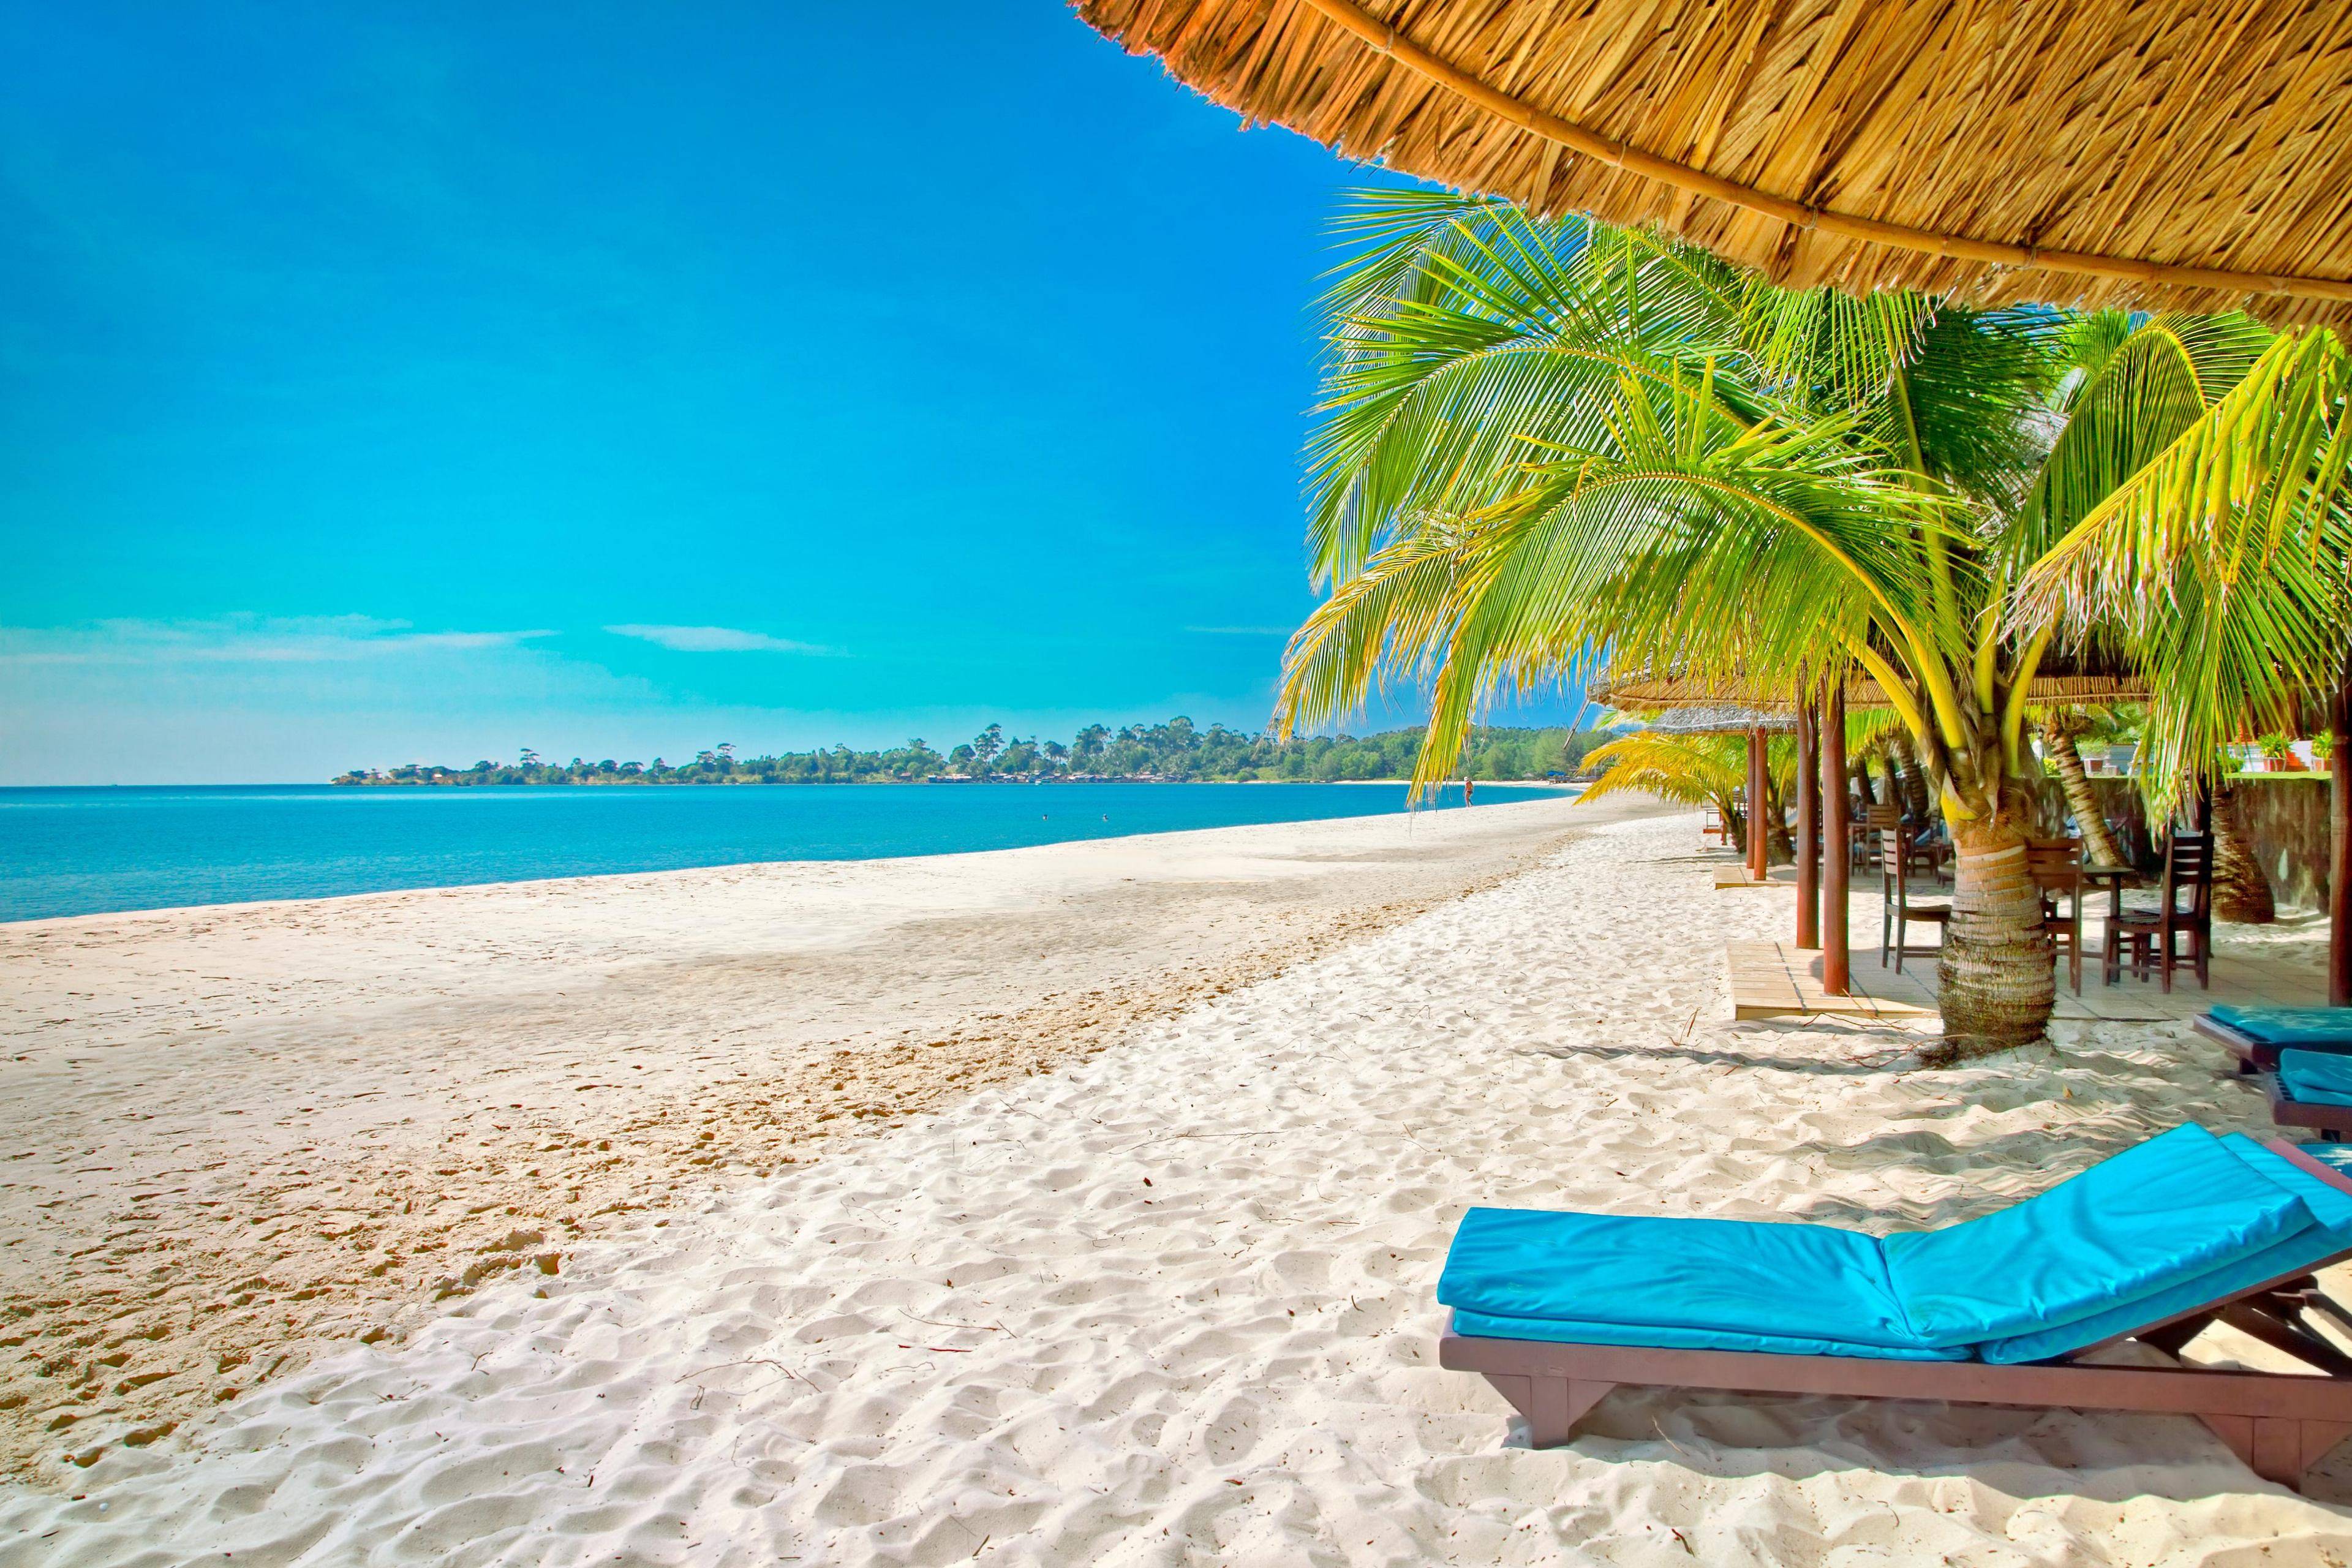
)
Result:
{"points": [[1177, 752]]}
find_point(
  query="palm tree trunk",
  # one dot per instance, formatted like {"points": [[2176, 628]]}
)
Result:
{"points": [[1902, 759], [2240, 892], [2058, 743], [1997, 973]]}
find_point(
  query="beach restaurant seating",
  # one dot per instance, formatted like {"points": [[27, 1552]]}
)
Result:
{"points": [[1898, 913], [2149, 937], [2256, 1036], [2056, 867], [1861, 838], [2150, 1246]]}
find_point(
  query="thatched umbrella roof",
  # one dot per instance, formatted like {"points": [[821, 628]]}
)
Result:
{"points": [[2162, 153], [1659, 694], [1720, 719]]}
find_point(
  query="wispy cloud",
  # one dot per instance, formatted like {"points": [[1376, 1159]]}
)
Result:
{"points": [[241, 639], [719, 639], [1240, 631]]}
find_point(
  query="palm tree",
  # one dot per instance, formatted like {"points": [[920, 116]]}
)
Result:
{"points": [[1906, 780], [1541, 439], [1711, 769], [1689, 770], [2242, 889], [2062, 728]]}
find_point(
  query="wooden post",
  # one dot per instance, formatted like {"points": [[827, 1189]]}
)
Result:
{"points": [[1835, 977], [1760, 839], [1808, 822], [2339, 845]]}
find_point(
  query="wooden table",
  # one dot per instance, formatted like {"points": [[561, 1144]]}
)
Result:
{"points": [[2114, 877]]}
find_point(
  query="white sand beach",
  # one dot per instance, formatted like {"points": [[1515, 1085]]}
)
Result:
{"points": [[246, 1134], [1161, 1297]]}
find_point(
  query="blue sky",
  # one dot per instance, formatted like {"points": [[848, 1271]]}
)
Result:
{"points": [[380, 384]]}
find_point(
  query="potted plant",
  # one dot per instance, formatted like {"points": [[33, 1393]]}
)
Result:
{"points": [[2277, 753]]}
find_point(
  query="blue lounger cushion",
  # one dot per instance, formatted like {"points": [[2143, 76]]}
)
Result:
{"points": [[2315, 1077], [1809, 1282], [2289, 1026], [2330, 1233], [2180, 1221], [2173, 1208], [1564, 1330]]}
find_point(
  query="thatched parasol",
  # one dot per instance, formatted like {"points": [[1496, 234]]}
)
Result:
{"points": [[2164, 153], [1659, 694], [1718, 719]]}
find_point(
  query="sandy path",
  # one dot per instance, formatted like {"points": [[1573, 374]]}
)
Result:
{"points": [[1174, 1305], [244, 1134]]}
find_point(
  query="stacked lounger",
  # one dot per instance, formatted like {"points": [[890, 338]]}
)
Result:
{"points": [[2153, 1245], [2255, 1036], [2312, 1088]]}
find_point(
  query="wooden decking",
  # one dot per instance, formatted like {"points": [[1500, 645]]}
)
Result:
{"points": [[1734, 874], [1776, 979]]}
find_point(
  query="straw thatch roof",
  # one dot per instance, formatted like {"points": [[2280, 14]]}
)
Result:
{"points": [[1659, 694], [1720, 719], [2161, 152]]}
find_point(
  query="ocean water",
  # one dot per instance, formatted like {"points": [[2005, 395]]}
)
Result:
{"points": [[90, 851]]}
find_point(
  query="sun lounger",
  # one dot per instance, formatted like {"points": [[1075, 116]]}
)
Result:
{"points": [[2313, 1090], [2255, 1036], [2150, 1246]]}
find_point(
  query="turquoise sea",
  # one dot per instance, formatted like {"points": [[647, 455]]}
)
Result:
{"points": [[88, 851]]}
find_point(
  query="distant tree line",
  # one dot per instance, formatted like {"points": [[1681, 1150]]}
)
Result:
{"points": [[1176, 751]]}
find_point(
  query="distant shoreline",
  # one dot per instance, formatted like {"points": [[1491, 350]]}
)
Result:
{"points": [[748, 782], [1178, 751], [70, 853]]}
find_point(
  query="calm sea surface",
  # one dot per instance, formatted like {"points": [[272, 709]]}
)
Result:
{"points": [[87, 851]]}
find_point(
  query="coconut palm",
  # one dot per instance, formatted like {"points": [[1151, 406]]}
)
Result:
{"points": [[1906, 780], [1712, 770], [1688, 770], [1538, 438], [2062, 728], [2242, 889]]}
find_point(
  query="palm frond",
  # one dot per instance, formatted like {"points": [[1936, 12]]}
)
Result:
{"points": [[2135, 391], [1689, 770], [1540, 439], [1467, 328], [2220, 563]]}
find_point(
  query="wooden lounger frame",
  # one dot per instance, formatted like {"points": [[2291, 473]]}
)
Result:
{"points": [[2330, 1121], [2280, 1424], [2253, 1055]]}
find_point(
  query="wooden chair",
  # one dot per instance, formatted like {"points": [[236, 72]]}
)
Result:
{"points": [[1899, 911], [1860, 843], [1876, 821], [1713, 826], [2056, 867], [2149, 934], [1921, 854], [1927, 852]]}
